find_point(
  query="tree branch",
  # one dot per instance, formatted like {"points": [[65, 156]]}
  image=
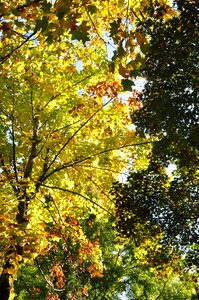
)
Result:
{"points": [[74, 134], [46, 279], [56, 130], [13, 186], [94, 25], [35, 141], [99, 188], [71, 164], [162, 290], [77, 194], [4, 58], [13, 135], [20, 7], [103, 169]]}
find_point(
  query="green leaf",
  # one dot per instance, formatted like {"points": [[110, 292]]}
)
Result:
{"points": [[49, 38], [78, 35], [115, 27], [61, 12], [81, 33], [134, 73], [144, 48], [15, 12], [19, 24], [121, 51], [42, 24], [46, 6], [92, 9], [127, 84]]}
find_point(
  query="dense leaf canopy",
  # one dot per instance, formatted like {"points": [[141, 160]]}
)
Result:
{"points": [[66, 135], [170, 100], [152, 202]]}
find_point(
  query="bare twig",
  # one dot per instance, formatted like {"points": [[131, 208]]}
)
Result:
{"points": [[162, 290], [61, 93], [99, 188], [103, 169]]}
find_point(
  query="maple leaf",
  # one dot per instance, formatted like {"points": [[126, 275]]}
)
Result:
{"points": [[81, 32]]}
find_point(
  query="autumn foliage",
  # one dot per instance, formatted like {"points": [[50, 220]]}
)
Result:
{"points": [[67, 97]]}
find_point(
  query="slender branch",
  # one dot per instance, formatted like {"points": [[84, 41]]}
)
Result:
{"points": [[74, 134], [64, 127], [4, 58], [94, 25], [18, 8], [102, 295], [50, 133], [20, 34], [120, 284], [72, 164], [81, 80], [99, 188], [46, 279], [50, 100], [142, 15], [13, 137], [144, 25], [35, 141], [103, 169], [7, 174], [47, 120], [49, 211], [78, 194], [60, 217], [162, 290], [122, 147], [61, 93]]}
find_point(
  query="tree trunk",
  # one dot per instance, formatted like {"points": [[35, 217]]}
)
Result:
{"points": [[6, 279], [5, 286]]}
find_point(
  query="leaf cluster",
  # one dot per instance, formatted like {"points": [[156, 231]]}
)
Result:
{"points": [[151, 202]]}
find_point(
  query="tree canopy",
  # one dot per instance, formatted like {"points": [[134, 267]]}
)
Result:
{"points": [[66, 136], [153, 202]]}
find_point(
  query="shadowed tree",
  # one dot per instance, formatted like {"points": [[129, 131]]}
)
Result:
{"points": [[151, 202]]}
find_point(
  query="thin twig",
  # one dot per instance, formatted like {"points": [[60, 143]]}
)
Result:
{"points": [[35, 141], [78, 194], [4, 58], [103, 169], [73, 163], [13, 135], [73, 135], [61, 93], [46, 279], [99, 188], [21, 7], [94, 25]]}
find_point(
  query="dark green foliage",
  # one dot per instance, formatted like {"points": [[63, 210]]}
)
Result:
{"points": [[170, 99], [151, 202], [30, 284], [127, 84]]}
